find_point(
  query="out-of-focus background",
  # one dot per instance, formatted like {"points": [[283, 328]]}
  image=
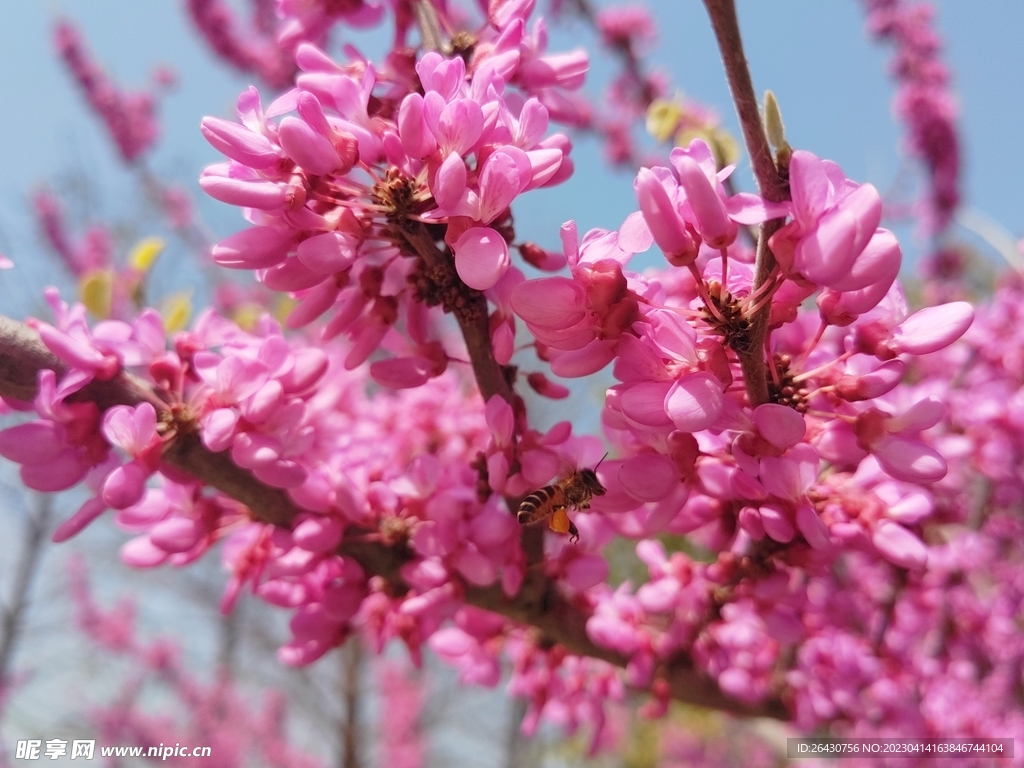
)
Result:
{"points": [[835, 94]]}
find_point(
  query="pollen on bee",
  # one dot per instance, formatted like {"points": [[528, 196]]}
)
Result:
{"points": [[560, 522]]}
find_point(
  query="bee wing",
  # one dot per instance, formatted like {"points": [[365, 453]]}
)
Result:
{"points": [[576, 453], [543, 466], [549, 465]]}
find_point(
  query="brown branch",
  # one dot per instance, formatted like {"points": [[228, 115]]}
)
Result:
{"points": [[752, 357], [727, 31], [470, 311], [228, 631], [429, 25], [772, 185], [22, 356]]}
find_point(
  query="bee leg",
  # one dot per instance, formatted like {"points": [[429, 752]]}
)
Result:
{"points": [[574, 535]]}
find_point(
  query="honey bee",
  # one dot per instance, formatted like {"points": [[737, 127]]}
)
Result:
{"points": [[553, 502]]}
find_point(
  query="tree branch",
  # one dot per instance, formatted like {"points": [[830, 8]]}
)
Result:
{"points": [[727, 31], [23, 355], [772, 185], [470, 310]]}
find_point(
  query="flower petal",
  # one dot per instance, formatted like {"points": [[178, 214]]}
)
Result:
{"points": [[481, 257], [899, 546], [694, 401]]}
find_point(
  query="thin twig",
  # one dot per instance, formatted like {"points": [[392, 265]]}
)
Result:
{"points": [[429, 25], [471, 314], [515, 742], [351, 665], [772, 185], [227, 641], [727, 31], [36, 526]]}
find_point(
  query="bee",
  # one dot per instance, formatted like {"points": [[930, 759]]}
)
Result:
{"points": [[553, 502]]}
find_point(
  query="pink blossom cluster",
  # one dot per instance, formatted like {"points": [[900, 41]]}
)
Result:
{"points": [[924, 100], [327, 187], [93, 251], [934, 653], [884, 651], [946, 643], [294, 417], [129, 117], [257, 52], [933, 650], [829, 463], [570, 691], [214, 713], [108, 288], [732, 746], [985, 403], [784, 411]]}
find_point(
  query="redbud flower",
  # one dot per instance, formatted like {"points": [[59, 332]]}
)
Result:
{"points": [[923, 100], [834, 220], [129, 117], [625, 26], [585, 316], [687, 204]]}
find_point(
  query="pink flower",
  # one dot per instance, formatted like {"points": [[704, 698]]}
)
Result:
{"points": [[128, 117], [481, 257], [694, 401], [687, 204], [57, 451], [867, 283], [738, 652], [932, 329], [899, 546], [894, 442], [625, 26], [133, 430], [834, 220], [584, 316], [656, 192]]}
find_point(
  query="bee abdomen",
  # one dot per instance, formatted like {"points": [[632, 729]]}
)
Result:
{"points": [[529, 506]]}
